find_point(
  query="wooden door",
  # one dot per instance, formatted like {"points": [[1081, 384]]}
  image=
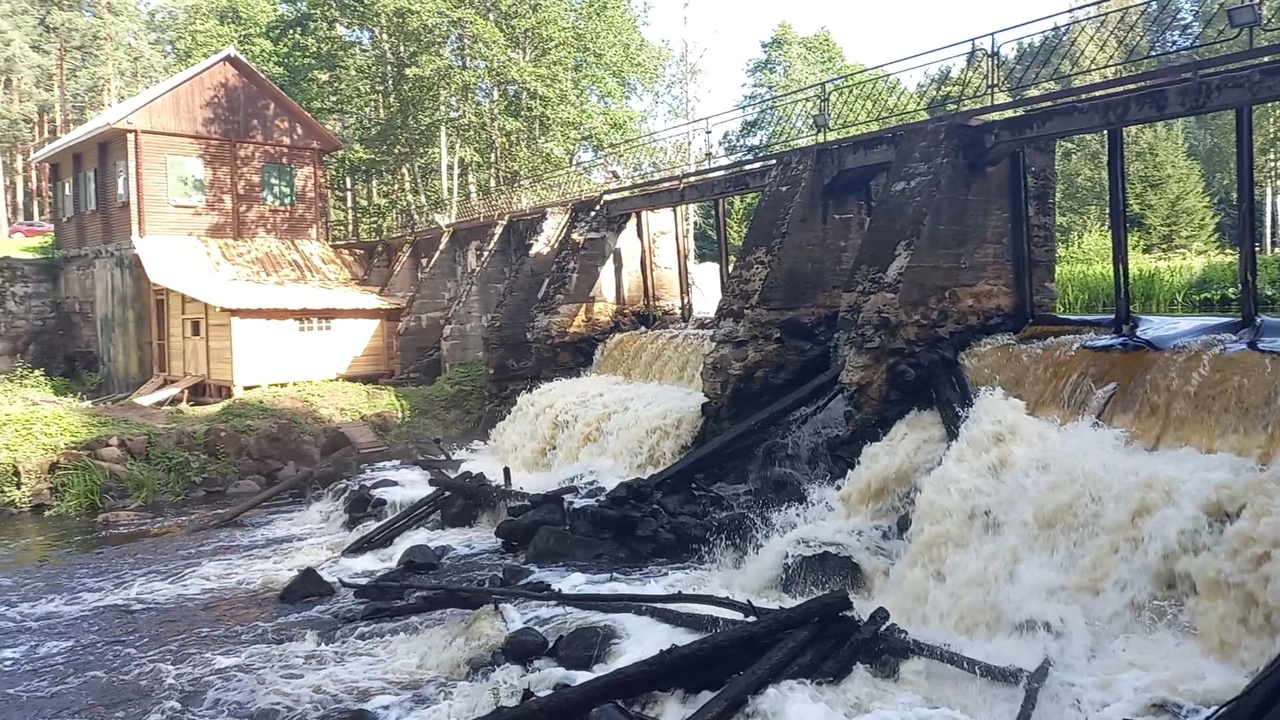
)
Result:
{"points": [[195, 346]]}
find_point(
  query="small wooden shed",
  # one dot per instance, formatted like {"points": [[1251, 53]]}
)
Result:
{"points": [[231, 314]]}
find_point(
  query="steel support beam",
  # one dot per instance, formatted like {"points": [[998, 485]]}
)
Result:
{"points": [[1195, 95], [1247, 213], [1118, 214], [691, 191], [646, 258], [682, 260], [1020, 234], [722, 245]]}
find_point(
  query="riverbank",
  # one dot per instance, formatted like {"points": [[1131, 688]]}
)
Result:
{"points": [[59, 454]]}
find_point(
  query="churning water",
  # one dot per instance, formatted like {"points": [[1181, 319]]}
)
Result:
{"points": [[1145, 574]]}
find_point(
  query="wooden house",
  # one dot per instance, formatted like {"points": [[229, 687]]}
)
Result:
{"points": [[192, 223]]}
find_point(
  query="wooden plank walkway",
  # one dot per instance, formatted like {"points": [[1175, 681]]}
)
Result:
{"points": [[363, 437], [155, 383], [168, 391]]}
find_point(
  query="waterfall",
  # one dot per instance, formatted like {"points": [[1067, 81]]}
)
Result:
{"points": [[1199, 395], [635, 412]]}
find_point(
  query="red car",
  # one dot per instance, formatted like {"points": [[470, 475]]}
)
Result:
{"points": [[29, 228]]}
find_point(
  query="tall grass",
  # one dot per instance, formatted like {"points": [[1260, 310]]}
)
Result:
{"points": [[1197, 281]]}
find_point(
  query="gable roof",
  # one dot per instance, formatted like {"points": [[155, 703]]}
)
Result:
{"points": [[119, 112], [257, 274]]}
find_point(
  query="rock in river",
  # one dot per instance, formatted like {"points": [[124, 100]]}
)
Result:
{"points": [[305, 586], [524, 645], [419, 559], [582, 648]]}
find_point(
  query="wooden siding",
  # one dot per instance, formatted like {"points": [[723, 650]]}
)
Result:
{"points": [[229, 167], [219, 339], [175, 334], [213, 218], [111, 222], [223, 103], [257, 219], [269, 348]]}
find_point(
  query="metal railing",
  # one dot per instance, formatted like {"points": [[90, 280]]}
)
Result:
{"points": [[1002, 69]]}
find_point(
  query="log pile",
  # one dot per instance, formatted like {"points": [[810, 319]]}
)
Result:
{"points": [[819, 640]]}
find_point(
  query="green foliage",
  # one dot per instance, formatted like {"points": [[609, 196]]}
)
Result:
{"points": [[78, 487], [453, 406], [738, 212]]}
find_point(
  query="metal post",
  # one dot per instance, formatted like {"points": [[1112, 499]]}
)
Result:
{"points": [[722, 245], [682, 264], [1118, 211], [646, 258], [1020, 220], [1247, 216]]}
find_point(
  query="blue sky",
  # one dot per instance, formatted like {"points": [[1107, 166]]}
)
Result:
{"points": [[728, 34]]}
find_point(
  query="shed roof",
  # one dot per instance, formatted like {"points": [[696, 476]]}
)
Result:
{"points": [[118, 113], [258, 274]]}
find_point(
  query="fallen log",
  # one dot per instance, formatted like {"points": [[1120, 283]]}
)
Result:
{"points": [[951, 396], [1259, 700], [1006, 674], [668, 668], [742, 608], [806, 665], [227, 516], [856, 647], [766, 670], [386, 533], [707, 454], [384, 611], [1035, 683]]}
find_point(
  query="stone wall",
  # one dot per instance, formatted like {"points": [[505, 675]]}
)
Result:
{"points": [[935, 271], [777, 319], [32, 328], [580, 281]]}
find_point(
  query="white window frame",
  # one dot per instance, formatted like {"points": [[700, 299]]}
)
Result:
{"points": [[314, 324], [191, 200], [88, 190], [122, 182]]}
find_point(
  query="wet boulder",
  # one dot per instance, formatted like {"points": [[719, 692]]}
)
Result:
{"points": [[281, 440], [349, 714], [361, 504], [332, 440], [248, 486], [459, 511], [556, 546], [583, 648], [521, 530], [306, 585], [819, 572], [418, 559], [221, 441], [513, 575], [122, 516], [525, 645], [383, 483]]}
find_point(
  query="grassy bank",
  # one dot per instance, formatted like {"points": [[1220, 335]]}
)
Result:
{"points": [[1204, 281], [41, 417], [23, 247]]}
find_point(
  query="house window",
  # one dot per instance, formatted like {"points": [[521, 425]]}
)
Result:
{"points": [[66, 207], [277, 185], [314, 324], [122, 182], [186, 180], [88, 190], [195, 328]]}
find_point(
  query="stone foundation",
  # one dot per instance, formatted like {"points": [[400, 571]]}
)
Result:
{"points": [[32, 327]]}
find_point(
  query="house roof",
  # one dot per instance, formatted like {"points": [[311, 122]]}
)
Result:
{"points": [[119, 112], [257, 274]]}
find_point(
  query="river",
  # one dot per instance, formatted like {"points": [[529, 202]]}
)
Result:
{"points": [[1145, 575]]}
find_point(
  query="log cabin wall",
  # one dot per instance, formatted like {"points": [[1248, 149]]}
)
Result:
{"points": [[110, 222]]}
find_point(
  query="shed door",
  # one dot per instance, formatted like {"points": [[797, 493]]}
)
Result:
{"points": [[195, 346]]}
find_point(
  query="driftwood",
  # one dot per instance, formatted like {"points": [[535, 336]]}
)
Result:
{"points": [[386, 533], [1035, 683], [766, 670], [709, 453], [1259, 700], [575, 599], [231, 514], [668, 668], [845, 654], [806, 664], [951, 396]]}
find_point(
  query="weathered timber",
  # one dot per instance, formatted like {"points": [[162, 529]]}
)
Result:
{"points": [[768, 669], [855, 647], [833, 635], [405, 520], [425, 604], [706, 455], [667, 669], [951, 396], [296, 481], [745, 609], [1035, 683], [915, 648]]}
